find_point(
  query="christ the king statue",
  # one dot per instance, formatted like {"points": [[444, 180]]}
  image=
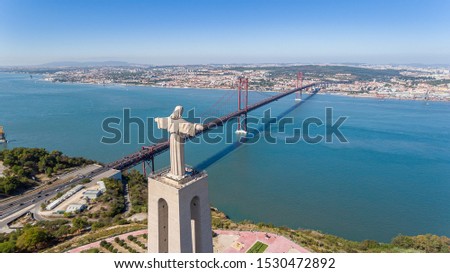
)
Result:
{"points": [[178, 129]]}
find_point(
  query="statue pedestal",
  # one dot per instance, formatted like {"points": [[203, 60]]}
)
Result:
{"points": [[179, 216]]}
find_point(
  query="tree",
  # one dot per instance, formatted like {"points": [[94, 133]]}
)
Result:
{"points": [[62, 231], [113, 197], [138, 190], [85, 180], [48, 171], [33, 239], [7, 247], [9, 184], [79, 223]]}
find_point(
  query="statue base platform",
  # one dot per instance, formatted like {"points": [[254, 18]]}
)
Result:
{"points": [[179, 216]]}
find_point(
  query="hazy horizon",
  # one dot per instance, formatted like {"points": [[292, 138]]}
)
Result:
{"points": [[113, 62], [224, 32]]}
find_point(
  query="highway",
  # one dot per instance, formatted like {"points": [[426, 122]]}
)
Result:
{"points": [[17, 203]]}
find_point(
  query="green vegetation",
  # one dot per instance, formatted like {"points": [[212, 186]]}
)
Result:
{"points": [[25, 164], [13, 184], [113, 197], [85, 180], [136, 241], [108, 246], [94, 236], [45, 234], [79, 223], [137, 184], [35, 238], [123, 244], [60, 235], [427, 243], [258, 247]]}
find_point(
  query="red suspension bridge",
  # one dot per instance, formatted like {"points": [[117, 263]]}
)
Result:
{"points": [[147, 155]]}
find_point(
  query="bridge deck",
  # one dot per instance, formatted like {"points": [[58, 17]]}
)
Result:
{"points": [[136, 158]]}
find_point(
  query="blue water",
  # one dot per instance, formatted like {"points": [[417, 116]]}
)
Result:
{"points": [[392, 177]]}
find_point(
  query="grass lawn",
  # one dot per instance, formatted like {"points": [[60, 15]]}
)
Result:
{"points": [[258, 247]]}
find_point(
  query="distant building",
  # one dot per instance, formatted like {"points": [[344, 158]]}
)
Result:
{"points": [[92, 194], [73, 208]]}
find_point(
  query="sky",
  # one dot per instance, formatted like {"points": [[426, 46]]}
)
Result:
{"points": [[218, 31]]}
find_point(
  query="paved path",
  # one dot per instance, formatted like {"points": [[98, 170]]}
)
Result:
{"points": [[277, 244]]}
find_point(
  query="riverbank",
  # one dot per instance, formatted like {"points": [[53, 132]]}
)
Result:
{"points": [[365, 95], [316, 241], [368, 96]]}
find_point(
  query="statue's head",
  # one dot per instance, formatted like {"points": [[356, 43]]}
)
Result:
{"points": [[177, 113]]}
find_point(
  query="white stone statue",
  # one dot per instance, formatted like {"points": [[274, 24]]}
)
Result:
{"points": [[178, 129]]}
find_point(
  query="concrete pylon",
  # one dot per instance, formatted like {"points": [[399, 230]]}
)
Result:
{"points": [[179, 216]]}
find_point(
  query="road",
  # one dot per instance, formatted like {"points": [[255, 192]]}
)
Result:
{"points": [[126, 193], [14, 204], [4, 222]]}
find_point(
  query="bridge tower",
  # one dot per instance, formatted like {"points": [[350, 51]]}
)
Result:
{"points": [[299, 84], [149, 162], [242, 105]]}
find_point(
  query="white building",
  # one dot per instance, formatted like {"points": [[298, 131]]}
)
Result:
{"points": [[75, 208], [101, 186], [92, 194], [68, 194]]}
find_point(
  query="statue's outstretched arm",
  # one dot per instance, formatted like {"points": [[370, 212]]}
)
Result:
{"points": [[163, 123]]}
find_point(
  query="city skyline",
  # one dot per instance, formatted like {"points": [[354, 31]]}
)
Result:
{"points": [[198, 32]]}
